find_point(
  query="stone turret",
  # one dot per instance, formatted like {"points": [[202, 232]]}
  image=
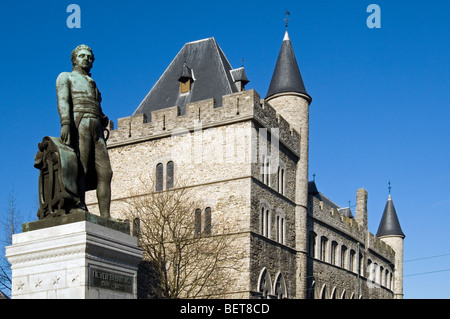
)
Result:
{"points": [[391, 233], [288, 96]]}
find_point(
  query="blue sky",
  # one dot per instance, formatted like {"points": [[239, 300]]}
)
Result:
{"points": [[380, 109]]}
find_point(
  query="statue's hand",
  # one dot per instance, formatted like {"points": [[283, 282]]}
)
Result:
{"points": [[65, 134]]}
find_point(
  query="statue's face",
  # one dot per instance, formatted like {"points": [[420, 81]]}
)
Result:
{"points": [[84, 59]]}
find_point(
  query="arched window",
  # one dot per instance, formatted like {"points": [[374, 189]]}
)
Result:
{"points": [[198, 221], [265, 219], [280, 178], [334, 248], [369, 270], [333, 293], [360, 263], [169, 178], [344, 257], [265, 284], [280, 287], [312, 244], [159, 177], [377, 273], [352, 260], [323, 292], [323, 248], [207, 228], [265, 169], [280, 226], [136, 227]]}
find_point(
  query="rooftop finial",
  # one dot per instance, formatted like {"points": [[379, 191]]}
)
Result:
{"points": [[287, 18], [389, 187]]}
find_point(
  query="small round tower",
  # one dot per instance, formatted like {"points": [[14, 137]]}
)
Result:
{"points": [[288, 96], [391, 233]]}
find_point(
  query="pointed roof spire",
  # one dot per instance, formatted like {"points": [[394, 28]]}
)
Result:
{"points": [[286, 77], [389, 225]]}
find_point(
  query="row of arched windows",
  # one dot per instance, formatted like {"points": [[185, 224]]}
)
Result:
{"points": [[202, 221], [331, 252], [379, 275], [280, 174], [168, 176], [321, 248], [267, 290], [326, 293]]}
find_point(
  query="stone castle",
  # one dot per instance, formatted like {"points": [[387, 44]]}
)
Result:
{"points": [[247, 158]]}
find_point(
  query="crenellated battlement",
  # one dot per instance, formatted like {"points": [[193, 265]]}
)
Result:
{"points": [[380, 247], [235, 107], [331, 216]]}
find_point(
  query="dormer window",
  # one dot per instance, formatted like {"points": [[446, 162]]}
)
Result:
{"points": [[239, 78], [186, 79]]}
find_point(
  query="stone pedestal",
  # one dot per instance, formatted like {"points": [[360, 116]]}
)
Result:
{"points": [[78, 260]]}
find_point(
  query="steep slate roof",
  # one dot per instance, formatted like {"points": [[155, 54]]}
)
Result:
{"points": [[389, 225], [286, 76], [210, 70]]}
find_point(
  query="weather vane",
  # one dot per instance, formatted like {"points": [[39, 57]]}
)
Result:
{"points": [[287, 18], [389, 187]]}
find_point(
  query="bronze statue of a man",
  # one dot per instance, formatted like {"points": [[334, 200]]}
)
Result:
{"points": [[82, 127]]}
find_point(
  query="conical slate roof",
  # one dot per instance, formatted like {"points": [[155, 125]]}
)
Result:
{"points": [[202, 61], [389, 225], [286, 76]]}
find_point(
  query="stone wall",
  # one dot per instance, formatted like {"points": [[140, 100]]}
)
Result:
{"points": [[217, 153]]}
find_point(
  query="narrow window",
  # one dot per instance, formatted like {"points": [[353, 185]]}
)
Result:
{"points": [[352, 260], [277, 229], [279, 179], [267, 223], [159, 177], [136, 227], [344, 257], [207, 228], [323, 248], [169, 178], [198, 221], [265, 284], [312, 244], [261, 221], [267, 166], [334, 246], [263, 169]]}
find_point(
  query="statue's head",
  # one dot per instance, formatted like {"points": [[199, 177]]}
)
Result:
{"points": [[83, 57]]}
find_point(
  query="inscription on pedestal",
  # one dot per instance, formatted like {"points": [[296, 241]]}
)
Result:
{"points": [[100, 278]]}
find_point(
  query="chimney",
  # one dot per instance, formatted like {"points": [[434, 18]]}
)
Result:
{"points": [[361, 207]]}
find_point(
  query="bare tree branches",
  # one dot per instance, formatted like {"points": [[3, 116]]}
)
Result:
{"points": [[179, 261], [10, 223]]}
